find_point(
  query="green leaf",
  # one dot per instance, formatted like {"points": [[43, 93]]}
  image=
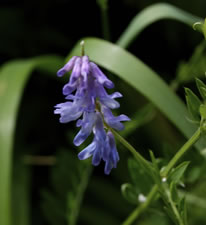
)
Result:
{"points": [[140, 179], [171, 214], [182, 208], [193, 104], [201, 87], [152, 14], [130, 193], [154, 161], [142, 78], [204, 28], [177, 173], [10, 91], [13, 78], [173, 191], [203, 110], [156, 172], [194, 67], [203, 90], [201, 26]]}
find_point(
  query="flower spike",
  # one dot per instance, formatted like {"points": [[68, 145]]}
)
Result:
{"points": [[87, 98]]}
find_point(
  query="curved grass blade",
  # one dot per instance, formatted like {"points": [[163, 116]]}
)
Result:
{"points": [[13, 77], [142, 78], [152, 14]]}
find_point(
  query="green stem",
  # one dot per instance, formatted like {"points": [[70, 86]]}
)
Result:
{"points": [[82, 48], [134, 215], [143, 162], [181, 152], [103, 4], [105, 24], [169, 200], [142, 207], [174, 208]]}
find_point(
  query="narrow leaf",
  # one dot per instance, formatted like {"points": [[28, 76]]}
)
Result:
{"points": [[203, 91], [154, 161], [155, 173], [203, 111], [182, 208], [152, 14], [13, 77], [140, 179], [204, 28], [201, 26], [194, 67], [171, 215], [173, 191], [193, 104], [201, 87], [178, 172]]}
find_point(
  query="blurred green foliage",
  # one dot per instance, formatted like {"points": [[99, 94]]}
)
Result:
{"points": [[68, 191]]}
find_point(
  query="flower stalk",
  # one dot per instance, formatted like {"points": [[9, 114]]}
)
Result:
{"points": [[181, 152], [152, 194], [143, 162], [82, 48], [135, 214]]}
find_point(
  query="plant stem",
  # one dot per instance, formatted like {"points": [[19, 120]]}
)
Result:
{"points": [[134, 215], [142, 207], [174, 208], [103, 4], [105, 24], [181, 152], [82, 48], [143, 162], [169, 200]]}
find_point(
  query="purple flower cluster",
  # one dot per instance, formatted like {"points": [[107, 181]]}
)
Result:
{"points": [[88, 101]]}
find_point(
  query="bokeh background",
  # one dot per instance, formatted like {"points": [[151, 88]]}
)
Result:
{"points": [[33, 28]]}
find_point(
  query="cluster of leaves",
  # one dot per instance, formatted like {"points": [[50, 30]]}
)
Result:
{"points": [[137, 191], [166, 179], [175, 206]]}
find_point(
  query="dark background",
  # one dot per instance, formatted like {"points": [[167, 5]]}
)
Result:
{"points": [[33, 28]]}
